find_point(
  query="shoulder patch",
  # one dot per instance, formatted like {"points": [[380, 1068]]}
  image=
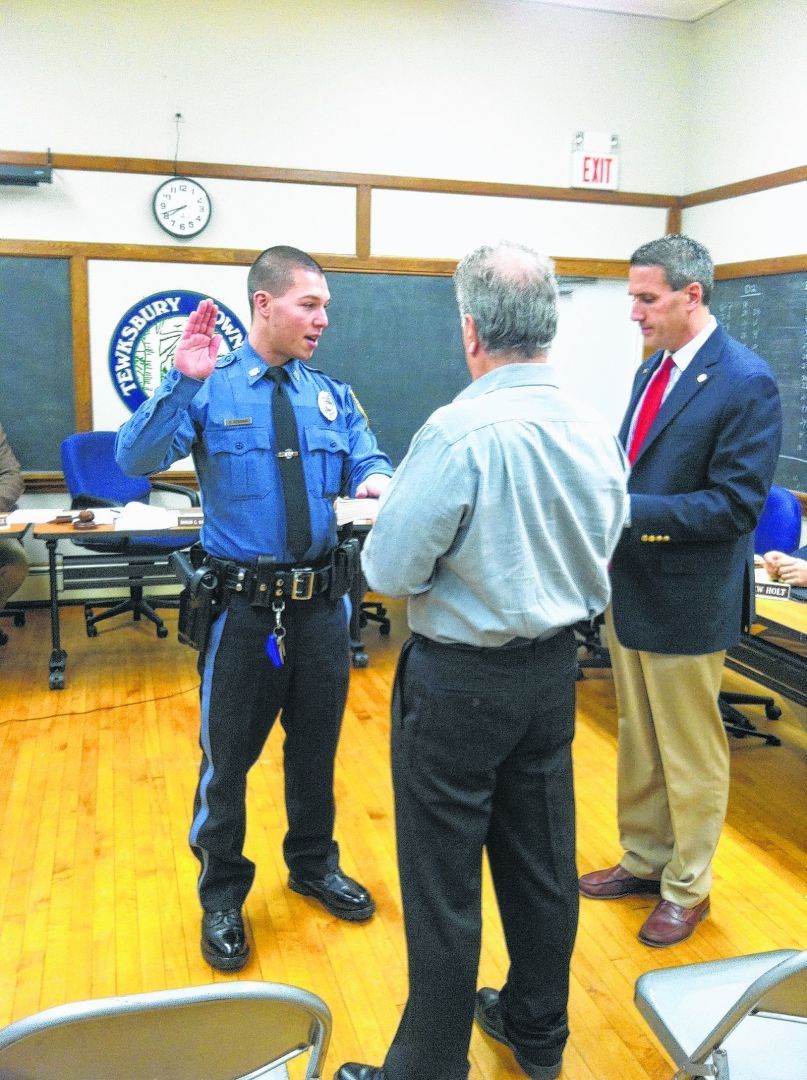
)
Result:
{"points": [[359, 405]]}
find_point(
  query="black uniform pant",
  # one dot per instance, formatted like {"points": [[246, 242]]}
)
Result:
{"points": [[241, 694], [481, 757]]}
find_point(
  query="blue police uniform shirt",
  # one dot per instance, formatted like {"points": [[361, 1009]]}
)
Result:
{"points": [[225, 422]]}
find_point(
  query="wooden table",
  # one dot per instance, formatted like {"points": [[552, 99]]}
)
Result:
{"points": [[52, 533]]}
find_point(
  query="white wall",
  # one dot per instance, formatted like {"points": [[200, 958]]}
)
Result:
{"points": [[470, 89], [744, 101], [465, 89], [744, 107], [760, 226]]}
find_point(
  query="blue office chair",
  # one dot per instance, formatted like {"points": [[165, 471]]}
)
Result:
{"points": [[94, 479], [779, 529]]}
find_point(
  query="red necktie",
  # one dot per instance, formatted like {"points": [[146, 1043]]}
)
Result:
{"points": [[650, 407]]}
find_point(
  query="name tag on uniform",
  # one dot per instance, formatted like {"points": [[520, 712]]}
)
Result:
{"points": [[244, 421]]}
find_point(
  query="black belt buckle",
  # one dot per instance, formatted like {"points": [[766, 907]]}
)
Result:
{"points": [[302, 584]]}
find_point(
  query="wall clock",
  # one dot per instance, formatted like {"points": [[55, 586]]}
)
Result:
{"points": [[182, 207]]}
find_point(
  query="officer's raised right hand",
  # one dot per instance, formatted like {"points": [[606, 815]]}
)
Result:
{"points": [[198, 347]]}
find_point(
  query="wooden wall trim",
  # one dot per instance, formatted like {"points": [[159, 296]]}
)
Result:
{"points": [[79, 294], [219, 171], [784, 264], [52, 483], [746, 187], [372, 264], [273, 174], [674, 220], [364, 229]]}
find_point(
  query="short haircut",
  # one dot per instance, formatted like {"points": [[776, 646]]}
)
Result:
{"points": [[512, 294], [273, 270], [682, 259]]}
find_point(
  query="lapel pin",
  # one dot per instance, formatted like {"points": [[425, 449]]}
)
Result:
{"points": [[254, 371], [702, 377]]}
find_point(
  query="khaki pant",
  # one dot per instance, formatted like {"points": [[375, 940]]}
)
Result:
{"points": [[13, 568], [673, 767]]}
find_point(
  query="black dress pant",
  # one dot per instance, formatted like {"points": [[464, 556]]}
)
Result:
{"points": [[481, 758], [241, 694]]}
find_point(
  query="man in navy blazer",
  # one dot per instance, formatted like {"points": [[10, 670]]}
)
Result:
{"points": [[682, 580]]}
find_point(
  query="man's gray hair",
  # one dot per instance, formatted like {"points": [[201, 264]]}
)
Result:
{"points": [[682, 259], [512, 294]]}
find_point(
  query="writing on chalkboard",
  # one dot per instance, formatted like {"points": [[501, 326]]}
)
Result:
{"points": [[769, 315]]}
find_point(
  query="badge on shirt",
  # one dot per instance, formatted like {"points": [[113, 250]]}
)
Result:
{"points": [[327, 406]]}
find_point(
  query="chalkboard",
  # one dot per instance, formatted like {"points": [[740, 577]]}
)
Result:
{"points": [[769, 315], [36, 359], [396, 340]]}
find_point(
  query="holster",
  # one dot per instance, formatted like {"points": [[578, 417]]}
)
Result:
{"points": [[200, 599], [345, 566]]}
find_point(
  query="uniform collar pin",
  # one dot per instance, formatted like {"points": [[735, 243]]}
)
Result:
{"points": [[702, 377]]}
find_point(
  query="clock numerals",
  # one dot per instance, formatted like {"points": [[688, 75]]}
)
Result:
{"points": [[181, 207]]}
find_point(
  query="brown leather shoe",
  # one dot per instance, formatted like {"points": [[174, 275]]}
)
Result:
{"points": [[615, 882], [669, 923]]}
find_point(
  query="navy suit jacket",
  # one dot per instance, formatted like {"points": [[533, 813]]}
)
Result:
{"points": [[682, 573]]}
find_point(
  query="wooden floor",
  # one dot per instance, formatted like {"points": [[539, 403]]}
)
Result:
{"points": [[97, 886]]}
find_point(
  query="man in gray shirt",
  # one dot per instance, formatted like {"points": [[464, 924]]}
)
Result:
{"points": [[498, 526]]}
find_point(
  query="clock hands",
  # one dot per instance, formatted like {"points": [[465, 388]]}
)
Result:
{"points": [[176, 210]]}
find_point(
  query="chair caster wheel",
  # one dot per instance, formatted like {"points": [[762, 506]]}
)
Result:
{"points": [[384, 629], [162, 632], [19, 619], [92, 631], [773, 712], [360, 659], [56, 680]]}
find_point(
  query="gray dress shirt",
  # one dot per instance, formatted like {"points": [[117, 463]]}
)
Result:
{"points": [[500, 521]]}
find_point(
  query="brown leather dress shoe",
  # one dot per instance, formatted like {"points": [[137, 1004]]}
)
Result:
{"points": [[614, 883], [669, 923]]}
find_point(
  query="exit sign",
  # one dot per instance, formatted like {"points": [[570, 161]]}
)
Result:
{"points": [[595, 161]]}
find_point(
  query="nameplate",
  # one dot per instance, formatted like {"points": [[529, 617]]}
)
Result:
{"points": [[190, 520], [774, 590]]}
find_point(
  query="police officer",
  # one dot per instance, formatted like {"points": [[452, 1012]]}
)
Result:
{"points": [[281, 643]]}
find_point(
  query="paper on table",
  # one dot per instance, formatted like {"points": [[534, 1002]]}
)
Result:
{"points": [[137, 515], [355, 510]]}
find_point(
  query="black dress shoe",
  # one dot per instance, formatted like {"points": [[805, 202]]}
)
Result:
{"points": [[224, 942], [353, 1070], [488, 1015], [337, 893]]}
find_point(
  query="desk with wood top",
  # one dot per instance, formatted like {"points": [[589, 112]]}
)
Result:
{"points": [[774, 653], [52, 533]]}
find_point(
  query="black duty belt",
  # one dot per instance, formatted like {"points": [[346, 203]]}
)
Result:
{"points": [[263, 584]]}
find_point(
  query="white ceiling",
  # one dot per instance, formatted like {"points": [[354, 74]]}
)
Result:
{"points": [[683, 10]]}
